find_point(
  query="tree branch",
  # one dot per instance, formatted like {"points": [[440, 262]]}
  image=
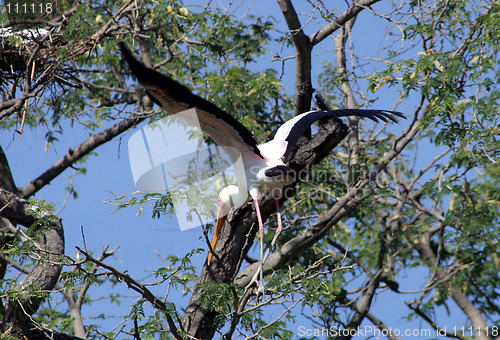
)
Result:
{"points": [[6, 179], [349, 101], [424, 316], [341, 20], [362, 308], [241, 228], [303, 47], [342, 208], [80, 151], [477, 320], [75, 303], [49, 249], [380, 325], [140, 288]]}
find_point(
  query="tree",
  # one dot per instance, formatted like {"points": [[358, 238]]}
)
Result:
{"points": [[360, 219]]}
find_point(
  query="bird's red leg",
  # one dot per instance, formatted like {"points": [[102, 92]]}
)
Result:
{"points": [[280, 224], [261, 231], [261, 225]]}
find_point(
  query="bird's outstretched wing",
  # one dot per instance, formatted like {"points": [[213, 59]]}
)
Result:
{"points": [[289, 133], [173, 98]]}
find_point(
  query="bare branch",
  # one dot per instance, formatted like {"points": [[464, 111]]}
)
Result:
{"points": [[342, 208], [350, 102], [341, 20], [140, 288], [478, 322], [45, 273], [80, 151]]}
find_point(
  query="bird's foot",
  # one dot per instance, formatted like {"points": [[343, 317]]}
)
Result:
{"points": [[258, 277]]}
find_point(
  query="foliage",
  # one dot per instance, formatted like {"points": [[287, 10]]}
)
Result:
{"points": [[432, 207]]}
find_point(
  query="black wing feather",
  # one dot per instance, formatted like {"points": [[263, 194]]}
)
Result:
{"points": [[300, 126], [282, 171], [182, 95]]}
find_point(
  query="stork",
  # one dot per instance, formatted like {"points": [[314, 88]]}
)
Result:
{"points": [[265, 166]]}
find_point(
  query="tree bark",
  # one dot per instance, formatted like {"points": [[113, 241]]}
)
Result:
{"points": [[241, 228], [47, 244], [304, 45], [6, 178], [303, 48]]}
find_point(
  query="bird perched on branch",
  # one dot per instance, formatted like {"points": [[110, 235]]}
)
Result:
{"points": [[265, 169]]}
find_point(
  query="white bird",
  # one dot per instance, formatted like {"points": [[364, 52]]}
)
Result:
{"points": [[27, 34], [265, 166]]}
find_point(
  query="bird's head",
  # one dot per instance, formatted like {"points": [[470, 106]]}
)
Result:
{"points": [[230, 196]]}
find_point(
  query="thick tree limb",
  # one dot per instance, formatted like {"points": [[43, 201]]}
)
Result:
{"points": [[303, 47], [241, 228], [6, 179], [49, 248], [342, 208]]}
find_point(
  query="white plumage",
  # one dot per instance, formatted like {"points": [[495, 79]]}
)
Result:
{"points": [[265, 169]]}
